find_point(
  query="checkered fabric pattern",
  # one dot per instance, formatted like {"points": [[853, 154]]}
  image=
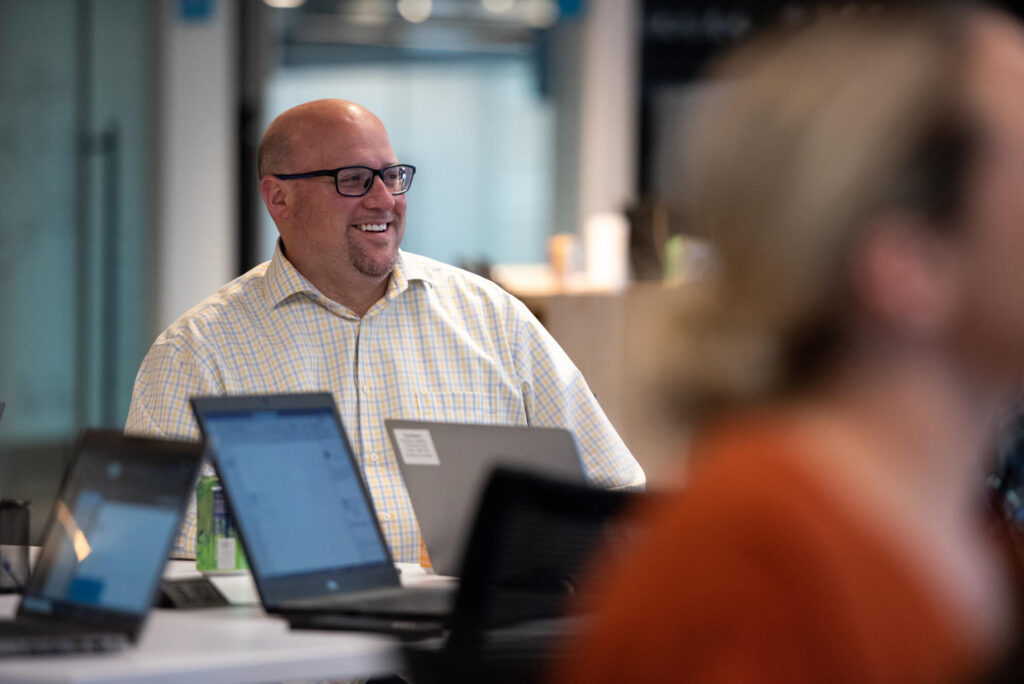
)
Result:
{"points": [[442, 345]]}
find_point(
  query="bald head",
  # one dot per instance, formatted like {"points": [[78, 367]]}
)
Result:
{"points": [[299, 128], [346, 245]]}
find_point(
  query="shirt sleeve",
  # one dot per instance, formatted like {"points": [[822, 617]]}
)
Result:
{"points": [[168, 377], [556, 395]]}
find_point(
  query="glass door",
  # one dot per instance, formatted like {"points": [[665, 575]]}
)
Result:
{"points": [[75, 159]]}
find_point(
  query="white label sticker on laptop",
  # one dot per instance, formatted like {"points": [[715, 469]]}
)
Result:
{"points": [[416, 447]]}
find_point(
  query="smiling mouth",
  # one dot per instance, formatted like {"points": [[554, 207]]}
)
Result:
{"points": [[372, 227]]}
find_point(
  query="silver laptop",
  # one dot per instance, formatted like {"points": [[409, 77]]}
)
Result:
{"points": [[106, 547], [446, 466], [305, 517]]}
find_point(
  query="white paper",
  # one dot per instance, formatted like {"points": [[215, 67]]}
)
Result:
{"points": [[606, 247], [415, 447]]}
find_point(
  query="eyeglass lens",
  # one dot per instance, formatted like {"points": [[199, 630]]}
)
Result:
{"points": [[357, 180]]}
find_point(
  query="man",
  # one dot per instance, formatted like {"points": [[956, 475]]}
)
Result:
{"points": [[340, 308]]}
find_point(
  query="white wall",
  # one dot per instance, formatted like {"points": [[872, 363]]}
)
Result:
{"points": [[196, 189], [609, 106]]}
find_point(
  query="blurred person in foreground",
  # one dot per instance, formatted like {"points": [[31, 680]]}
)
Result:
{"points": [[863, 177], [340, 308]]}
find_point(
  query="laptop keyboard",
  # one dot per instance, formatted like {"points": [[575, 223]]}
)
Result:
{"points": [[431, 601], [19, 638]]}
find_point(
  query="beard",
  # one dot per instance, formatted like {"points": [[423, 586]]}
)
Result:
{"points": [[370, 265]]}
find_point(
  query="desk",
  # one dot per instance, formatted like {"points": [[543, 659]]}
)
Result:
{"points": [[234, 644]]}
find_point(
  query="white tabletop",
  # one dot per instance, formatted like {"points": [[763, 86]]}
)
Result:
{"points": [[236, 644]]}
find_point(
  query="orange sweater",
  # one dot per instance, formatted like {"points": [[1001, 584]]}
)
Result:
{"points": [[753, 575]]}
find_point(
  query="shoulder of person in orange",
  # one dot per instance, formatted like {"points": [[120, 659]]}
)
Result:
{"points": [[756, 574]]}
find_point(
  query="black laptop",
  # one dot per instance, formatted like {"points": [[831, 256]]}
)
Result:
{"points": [[108, 540], [306, 519]]}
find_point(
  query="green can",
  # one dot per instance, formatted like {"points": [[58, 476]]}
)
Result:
{"points": [[217, 546]]}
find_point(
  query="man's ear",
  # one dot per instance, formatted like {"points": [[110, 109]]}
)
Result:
{"points": [[906, 276], [274, 196]]}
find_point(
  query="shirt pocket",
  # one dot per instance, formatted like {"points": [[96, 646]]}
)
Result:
{"points": [[468, 407]]}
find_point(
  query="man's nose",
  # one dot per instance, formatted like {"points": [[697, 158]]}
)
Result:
{"points": [[379, 197]]}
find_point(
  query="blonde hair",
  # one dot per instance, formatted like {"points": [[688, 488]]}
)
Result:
{"points": [[807, 134]]}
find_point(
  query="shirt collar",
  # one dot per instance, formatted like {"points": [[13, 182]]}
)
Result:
{"points": [[408, 269], [283, 280]]}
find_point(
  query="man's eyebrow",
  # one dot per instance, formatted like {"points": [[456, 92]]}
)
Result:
{"points": [[367, 165]]}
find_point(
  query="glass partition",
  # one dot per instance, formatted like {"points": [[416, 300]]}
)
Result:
{"points": [[75, 228]]}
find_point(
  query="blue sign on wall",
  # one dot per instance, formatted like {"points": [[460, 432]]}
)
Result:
{"points": [[195, 10], [571, 8]]}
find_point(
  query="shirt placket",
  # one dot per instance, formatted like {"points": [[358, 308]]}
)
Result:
{"points": [[371, 428]]}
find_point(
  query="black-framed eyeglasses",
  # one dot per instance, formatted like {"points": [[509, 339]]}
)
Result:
{"points": [[356, 181]]}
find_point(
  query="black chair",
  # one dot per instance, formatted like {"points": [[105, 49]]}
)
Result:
{"points": [[529, 545]]}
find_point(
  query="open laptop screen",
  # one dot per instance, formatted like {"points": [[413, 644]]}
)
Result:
{"points": [[112, 526], [295, 491]]}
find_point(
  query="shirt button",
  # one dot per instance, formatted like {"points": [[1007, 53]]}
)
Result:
{"points": [[366, 389], [373, 457], [385, 517]]}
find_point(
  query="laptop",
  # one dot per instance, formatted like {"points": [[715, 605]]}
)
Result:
{"points": [[531, 544], [106, 546], [306, 519], [446, 467]]}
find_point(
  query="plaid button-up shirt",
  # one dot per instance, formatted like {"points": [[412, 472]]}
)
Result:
{"points": [[442, 344]]}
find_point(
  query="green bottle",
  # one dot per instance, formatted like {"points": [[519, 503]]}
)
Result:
{"points": [[217, 546]]}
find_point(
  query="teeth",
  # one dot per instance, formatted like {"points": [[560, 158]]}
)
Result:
{"points": [[373, 227]]}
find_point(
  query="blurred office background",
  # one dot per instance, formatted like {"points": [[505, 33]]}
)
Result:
{"points": [[127, 140]]}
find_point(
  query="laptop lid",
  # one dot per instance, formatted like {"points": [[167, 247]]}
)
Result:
{"points": [[446, 465], [529, 547], [297, 497], [111, 531]]}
